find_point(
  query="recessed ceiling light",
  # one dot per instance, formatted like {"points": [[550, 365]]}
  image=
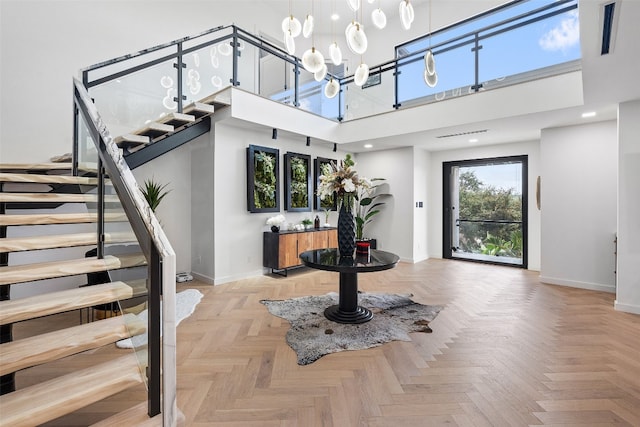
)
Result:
{"points": [[368, 146], [335, 17], [473, 140], [589, 114]]}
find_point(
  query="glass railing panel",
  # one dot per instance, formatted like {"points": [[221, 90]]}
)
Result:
{"points": [[248, 63], [374, 97], [455, 69], [87, 152], [310, 93], [208, 70], [129, 102], [489, 241], [275, 77], [536, 46]]}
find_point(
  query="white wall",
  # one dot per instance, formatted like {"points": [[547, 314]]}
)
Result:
{"points": [[628, 268], [531, 149], [393, 227], [578, 199], [421, 164], [45, 43], [237, 242]]}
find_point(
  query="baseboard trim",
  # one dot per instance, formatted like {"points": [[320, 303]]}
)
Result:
{"points": [[203, 278], [233, 278], [577, 284], [627, 308]]}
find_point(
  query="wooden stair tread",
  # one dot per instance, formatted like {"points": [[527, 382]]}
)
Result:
{"points": [[216, 100], [134, 416], [47, 179], [18, 244], [130, 140], [44, 402], [35, 166], [17, 310], [70, 218], [44, 348], [177, 119], [154, 130], [199, 109], [54, 197], [14, 274]]}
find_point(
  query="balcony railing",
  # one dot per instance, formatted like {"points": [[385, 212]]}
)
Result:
{"points": [[485, 52]]}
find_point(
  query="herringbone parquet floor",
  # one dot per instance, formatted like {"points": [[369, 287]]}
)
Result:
{"points": [[505, 351]]}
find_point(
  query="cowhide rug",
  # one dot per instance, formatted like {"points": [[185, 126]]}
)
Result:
{"points": [[312, 335]]}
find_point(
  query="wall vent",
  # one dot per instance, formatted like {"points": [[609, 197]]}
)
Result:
{"points": [[609, 26], [471, 132]]}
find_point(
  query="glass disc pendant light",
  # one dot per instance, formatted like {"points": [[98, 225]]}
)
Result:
{"points": [[430, 79], [307, 28], [289, 42], [335, 53], [361, 75], [332, 88], [406, 14], [356, 38], [321, 74], [312, 60], [292, 24], [429, 62], [354, 4], [379, 18]]}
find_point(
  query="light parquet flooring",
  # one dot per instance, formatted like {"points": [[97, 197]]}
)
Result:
{"points": [[505, 351]]}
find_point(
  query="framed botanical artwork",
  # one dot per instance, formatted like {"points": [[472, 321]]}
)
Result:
{"points": [[322, 166], [297, 182], [263, 179]]}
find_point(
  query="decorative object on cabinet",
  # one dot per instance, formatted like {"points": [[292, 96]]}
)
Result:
{"points": [[281, 250], [263, 183], [297, 182], [276, 222], [322, 167]]}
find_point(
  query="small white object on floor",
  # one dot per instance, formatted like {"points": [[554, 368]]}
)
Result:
{"points": [[186, 302]]}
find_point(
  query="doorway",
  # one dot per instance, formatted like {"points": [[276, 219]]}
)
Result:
{"points": [[485, 210]]}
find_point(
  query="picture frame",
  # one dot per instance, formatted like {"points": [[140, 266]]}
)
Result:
{"points": [[263, 179], [319, 204], [297, 182]]}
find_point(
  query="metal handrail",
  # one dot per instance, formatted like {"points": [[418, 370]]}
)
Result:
{"points": [[469, 38], [154, 245]]}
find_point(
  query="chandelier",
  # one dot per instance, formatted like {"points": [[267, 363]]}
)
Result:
{"points": [[356, 40]]}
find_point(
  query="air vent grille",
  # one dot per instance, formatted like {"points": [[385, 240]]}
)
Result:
{"points": [[471, 132]]}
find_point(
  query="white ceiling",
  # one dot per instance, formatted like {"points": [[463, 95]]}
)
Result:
{"points": [[606, 80]]}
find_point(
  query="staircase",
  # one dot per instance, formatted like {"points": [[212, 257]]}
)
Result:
{"points": [[67, 363]]}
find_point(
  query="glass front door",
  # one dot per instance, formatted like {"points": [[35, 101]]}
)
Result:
{"points": [[485, 205]]}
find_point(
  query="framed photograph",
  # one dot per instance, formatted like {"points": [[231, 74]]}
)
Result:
{"points": [[263, 179], [297, 182], [322, 166]]}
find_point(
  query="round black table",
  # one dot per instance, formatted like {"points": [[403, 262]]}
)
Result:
{"points": [[348, 310]]}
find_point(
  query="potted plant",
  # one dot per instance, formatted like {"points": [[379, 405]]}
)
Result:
{"points": [[153, 193], [367, 207], [307, 223]]}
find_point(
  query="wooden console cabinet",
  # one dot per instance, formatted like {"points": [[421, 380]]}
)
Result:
{"points": [[281, 250]]}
